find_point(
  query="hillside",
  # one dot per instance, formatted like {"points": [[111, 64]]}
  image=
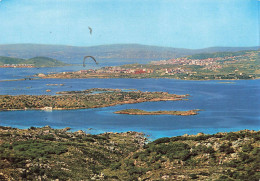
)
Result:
{"points": [[49, 154], [110, 54], [36, 61]]}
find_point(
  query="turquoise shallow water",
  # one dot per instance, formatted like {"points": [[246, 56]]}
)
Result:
{"points": [[226, 107]]}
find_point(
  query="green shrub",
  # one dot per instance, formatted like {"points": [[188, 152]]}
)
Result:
{"points": [[182, 155], [162, 140], [224, 178], [136, 155], [115, 166], [193, 176], [129, 162], [25, 150], [231, 136], [157, 166], [247, 148], [172, 150], [256, 151], [144, 156], [136, 171], [88, 139], [226, 148], [49, 137], [202, 149], [64, 136]]}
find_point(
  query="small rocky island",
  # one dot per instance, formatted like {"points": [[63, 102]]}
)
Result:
{"points": [[142, 112], [90, 98]]}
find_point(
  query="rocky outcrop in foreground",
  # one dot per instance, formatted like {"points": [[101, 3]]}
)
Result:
{"points": [[49, 154]]}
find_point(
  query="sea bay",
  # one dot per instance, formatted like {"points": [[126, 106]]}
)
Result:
{"points": [[225, 106]]}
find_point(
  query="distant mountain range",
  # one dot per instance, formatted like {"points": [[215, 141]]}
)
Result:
{"points": [[113, 54]]}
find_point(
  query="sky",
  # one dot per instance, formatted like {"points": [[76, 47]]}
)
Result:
{"points": [[172, 23]]}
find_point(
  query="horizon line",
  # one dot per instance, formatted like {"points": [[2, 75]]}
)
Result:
{"points": [[128, 44]]}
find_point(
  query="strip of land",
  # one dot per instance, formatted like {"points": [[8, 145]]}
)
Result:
{"points": [[81, 100], [142, 112]]}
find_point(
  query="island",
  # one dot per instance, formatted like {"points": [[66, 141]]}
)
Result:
{"points": [[60, 154], [11, 62], [142, 112], [84, 99]]}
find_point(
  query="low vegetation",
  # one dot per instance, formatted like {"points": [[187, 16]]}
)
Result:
{"points": [[49, 154]]}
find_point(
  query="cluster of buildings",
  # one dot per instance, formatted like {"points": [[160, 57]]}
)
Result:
{"points": [[119, 70], [172, 71], [17, 66], [209, 63], [110, 70]]}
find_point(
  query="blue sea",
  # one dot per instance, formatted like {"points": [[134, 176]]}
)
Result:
{"points": [[226, 106]]}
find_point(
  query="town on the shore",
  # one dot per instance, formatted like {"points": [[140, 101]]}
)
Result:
{"points": [[242, 65]]}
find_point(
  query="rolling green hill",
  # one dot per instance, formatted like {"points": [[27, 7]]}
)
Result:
{"points": [[10, 60], [36, 61]]}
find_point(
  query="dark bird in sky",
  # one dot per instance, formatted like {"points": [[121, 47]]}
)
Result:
{"points": [[90, 30]]}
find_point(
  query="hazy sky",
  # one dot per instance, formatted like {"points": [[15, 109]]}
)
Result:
{"points": [[174, 23]]}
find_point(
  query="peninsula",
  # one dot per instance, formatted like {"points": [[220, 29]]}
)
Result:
{"points": [[142, 112], [83, 100]]}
